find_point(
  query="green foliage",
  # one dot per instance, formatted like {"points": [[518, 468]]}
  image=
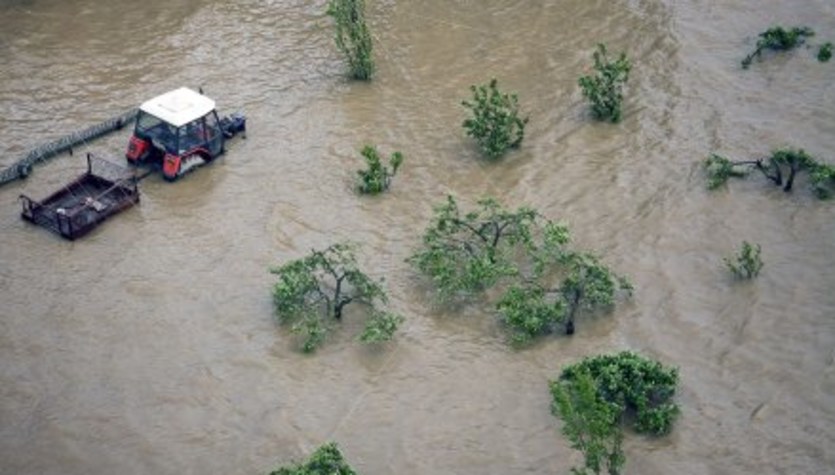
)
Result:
{"points": [[593, 396], [781, 168], [605, 88], [465, 253], [326, 460], [352, 36], [590, 423], [495, 123], [317, 287], [778, 39], [825, 52], [639, 388], [719, 169], [377, 177], [746, 264], [529, 311], [469, 252], [380, 327]]}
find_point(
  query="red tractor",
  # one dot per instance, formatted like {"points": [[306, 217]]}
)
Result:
{"points": [[179, 131]]}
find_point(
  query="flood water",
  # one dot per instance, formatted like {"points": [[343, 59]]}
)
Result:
{"points": [[150, 346]]}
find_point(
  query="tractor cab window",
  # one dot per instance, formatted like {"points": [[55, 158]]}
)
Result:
{"points": [[192, 135], [161, 134]]}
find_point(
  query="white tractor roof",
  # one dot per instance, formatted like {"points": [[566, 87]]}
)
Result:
{"points": [[179, 107]]}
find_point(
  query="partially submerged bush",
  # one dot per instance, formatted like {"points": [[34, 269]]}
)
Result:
{"points": [[638, 388], [495, 124], [781, 168], [352, 36], [315, 289], [605, 88], [778, 39], [326, 460], [746, 264], [593, 397], [825, 52], [377, 177]]}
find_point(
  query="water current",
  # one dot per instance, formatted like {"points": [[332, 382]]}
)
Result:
{"points": [[150, 346]]}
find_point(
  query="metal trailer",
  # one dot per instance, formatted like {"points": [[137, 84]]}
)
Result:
{"points": [[73, 211]]}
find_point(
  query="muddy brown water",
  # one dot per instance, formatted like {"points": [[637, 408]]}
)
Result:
{"points": [[150, 347]]}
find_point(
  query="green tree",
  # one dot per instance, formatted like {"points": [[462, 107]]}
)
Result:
{"points": [[377, 177], [604, 89], [746, 264], [543, 283], [326, 460], [495, 123], [781, 168], [312, 291], [352, 36], [778, 39], [593, 398]]}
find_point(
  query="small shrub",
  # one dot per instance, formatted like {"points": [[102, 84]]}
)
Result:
{"points": [[778, 39], [352, 36], [495, 124], [605, 88], [326, 460], [747, 263], [377, 177], [825, 52]]}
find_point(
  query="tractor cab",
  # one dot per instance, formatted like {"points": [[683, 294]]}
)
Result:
{"points": [[179, 131]]}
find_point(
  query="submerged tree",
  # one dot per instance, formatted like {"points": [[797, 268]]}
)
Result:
{"points": [[495, 123], [352, 36], [604, 89], [326, 460], [543, 283], [778, 39], [746, 264], [377, 177], [595, 396], [781, 168], [313, 291]]}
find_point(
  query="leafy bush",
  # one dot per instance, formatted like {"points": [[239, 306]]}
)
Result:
{"points": [[314, 288], [639, 388], [377, 177], [778, 39], [825, 52], [352, 36], [781, 168], [326, 460], [605, 88], [747, 263], [495, 123], [590, 424], [469, 252], [594, 396]]}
